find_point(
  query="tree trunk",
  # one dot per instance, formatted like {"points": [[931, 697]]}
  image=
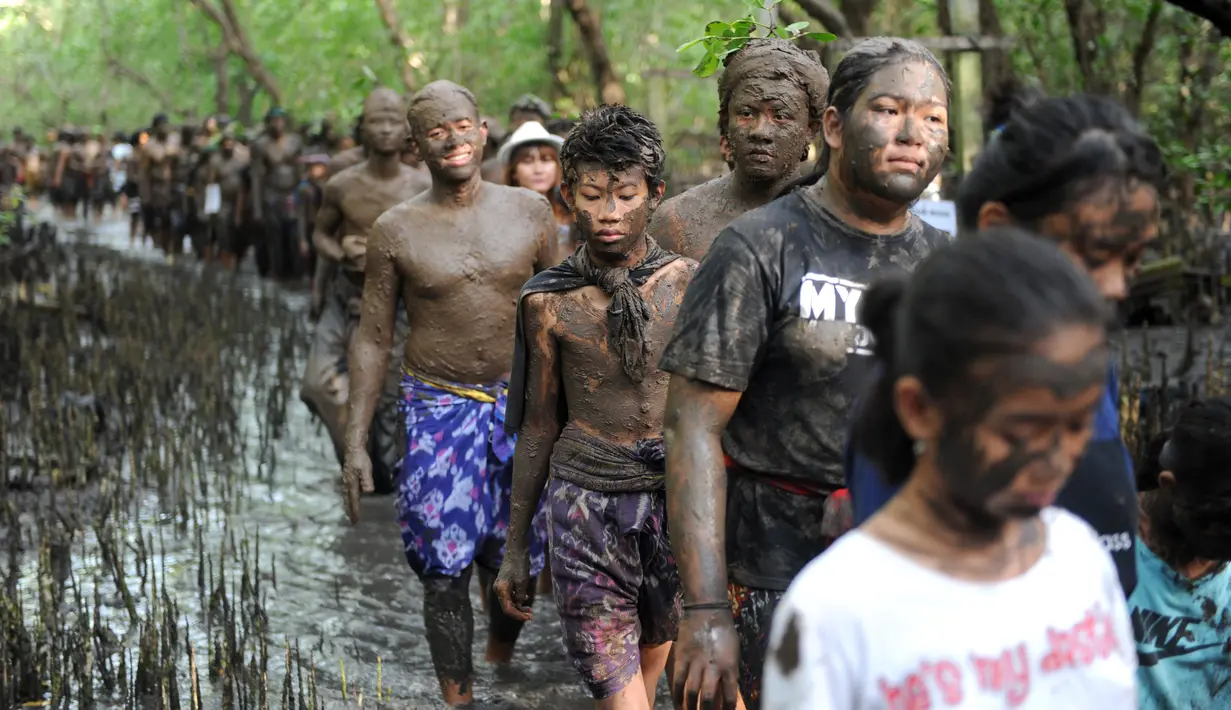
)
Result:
{"points": [[830, 17], [610, 90], [222, 81], [247, 97], [400, 40], [555, 50], [236, 37], [1132, 99], [996, 64], [858, 14], [1085, 26]]}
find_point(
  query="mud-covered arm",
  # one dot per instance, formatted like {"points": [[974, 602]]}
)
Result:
{"points": [[542, 423], [258, 179], [720, 333], [143, 175], [328, 219], [368, 355], [697, 413]]}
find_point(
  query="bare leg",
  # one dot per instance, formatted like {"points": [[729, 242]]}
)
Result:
{"points": [[449, 621], [653, 661]]}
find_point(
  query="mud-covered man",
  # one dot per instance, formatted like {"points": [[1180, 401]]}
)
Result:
{"points": [[527, 108], [223, 176], [352, 201], [275, 176], [457, 257], [770, 100], [585, 374], [155, 174]]}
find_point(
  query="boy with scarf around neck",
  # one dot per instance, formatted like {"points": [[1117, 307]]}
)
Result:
{"points": [[586, 399]]}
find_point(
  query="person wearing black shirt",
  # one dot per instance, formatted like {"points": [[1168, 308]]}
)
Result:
{"points": [[767, 360]]}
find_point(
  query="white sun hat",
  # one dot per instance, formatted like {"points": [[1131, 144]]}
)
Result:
{"points": [[529, 133]]}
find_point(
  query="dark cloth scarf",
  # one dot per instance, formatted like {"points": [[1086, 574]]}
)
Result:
{"points": [[627, 316], [599, 465]]}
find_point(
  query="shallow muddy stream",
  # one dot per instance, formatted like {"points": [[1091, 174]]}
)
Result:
{"points": [[216, 526], [171, 534]]}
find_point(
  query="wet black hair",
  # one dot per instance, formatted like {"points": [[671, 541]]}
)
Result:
{"points": [[1006, 98], [560, 126], [769, 59], [616, 138], [997, 293], [159, 119], [853, 75], [529, 103], [1199, 449], [1053, 152]]}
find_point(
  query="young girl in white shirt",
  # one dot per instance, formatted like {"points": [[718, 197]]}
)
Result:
{"points": [[967, 590]]}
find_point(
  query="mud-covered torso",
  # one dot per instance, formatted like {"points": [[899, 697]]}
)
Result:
{"points": [[363, 197], [688, 223], [600, 397], [347, 158], [772, 312], [461, 272], [78, 159], [278, 156], [228, 173]]}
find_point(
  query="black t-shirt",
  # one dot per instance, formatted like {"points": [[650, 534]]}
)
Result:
{"points": [[771, 313]]}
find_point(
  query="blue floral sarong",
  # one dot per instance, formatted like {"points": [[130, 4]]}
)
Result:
{"points": [[454, 484]]}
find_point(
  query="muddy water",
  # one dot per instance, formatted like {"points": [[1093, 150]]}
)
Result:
{"points": [[261, 546]]}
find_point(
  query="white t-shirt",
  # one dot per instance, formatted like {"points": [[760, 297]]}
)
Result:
{"points": [[864, 627]]}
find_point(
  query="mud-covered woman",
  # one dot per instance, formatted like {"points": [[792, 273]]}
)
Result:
{"points": [[969, 589], [1082, 173], [767, 360]]}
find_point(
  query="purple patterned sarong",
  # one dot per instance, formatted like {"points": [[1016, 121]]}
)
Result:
{"points": [[454, 485]]}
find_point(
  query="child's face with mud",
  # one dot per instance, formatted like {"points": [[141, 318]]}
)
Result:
{"points": [[450, 137], [895, 139], [1005, 442], [612, 208], [768, 127]]}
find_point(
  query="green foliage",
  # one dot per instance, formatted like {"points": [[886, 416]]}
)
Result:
{"points": [[724, 38]]}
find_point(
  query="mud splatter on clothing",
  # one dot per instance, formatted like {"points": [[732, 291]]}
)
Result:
{"points": [[454, 484], [614, 580]]}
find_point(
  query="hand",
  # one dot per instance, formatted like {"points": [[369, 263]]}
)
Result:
{"points": [[354, 251], [303, 249], [706, 661], [514, 584], [356, 476]]}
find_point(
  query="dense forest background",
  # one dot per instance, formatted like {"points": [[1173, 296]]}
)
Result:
{"points": [[117, 62]]}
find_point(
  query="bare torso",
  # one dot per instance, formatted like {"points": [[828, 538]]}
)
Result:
{"points": [[688, 223], [278, 157], [460, 271], [602, 400], [361, 197], [228, 173]]}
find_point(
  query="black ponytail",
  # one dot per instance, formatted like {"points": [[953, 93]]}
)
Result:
{"points": [[997, 293]]}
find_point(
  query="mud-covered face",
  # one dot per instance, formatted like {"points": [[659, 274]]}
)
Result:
{"points": [[228, 146], [1011, 438], [535, 168], [450, 138], [768, 128], [612, 209], [519, 117], [894, 142], [384, 126], [1107, 232], [276, 125]]}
